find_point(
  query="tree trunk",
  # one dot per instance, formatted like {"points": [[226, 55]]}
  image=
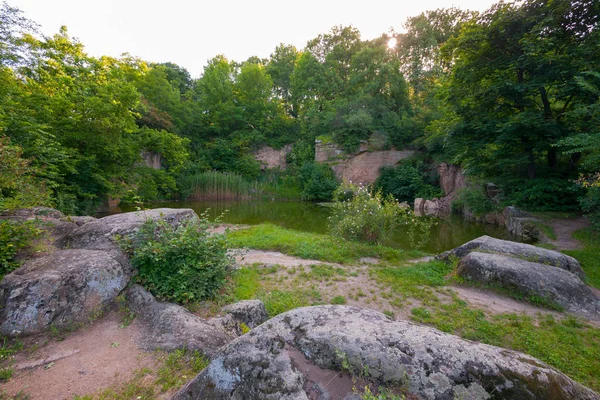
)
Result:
{"points": [[531, 164], [553, 159]]}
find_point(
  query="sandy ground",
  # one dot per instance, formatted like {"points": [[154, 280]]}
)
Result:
{"points": [[95, 357]]}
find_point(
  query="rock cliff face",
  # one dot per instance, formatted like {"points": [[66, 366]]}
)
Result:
{"points": [[272, 158], [361, 167]]}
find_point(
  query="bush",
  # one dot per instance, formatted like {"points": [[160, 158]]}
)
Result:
{"points": [[542, 194], [371, 217], [406, 182], [590, 202], [473, 200], [180, 263], [14, 236], [318, 182]]}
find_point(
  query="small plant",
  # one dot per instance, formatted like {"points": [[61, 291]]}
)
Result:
{"points": [[244, 328], [6, 373], [127, 314], [390, 314], [182, 263], [339, 300]]}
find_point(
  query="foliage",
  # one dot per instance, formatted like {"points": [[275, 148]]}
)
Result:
{"points": [[182, 262], [318, 182], [542, 194], [14, 236], [19, 187], [371, 217], [407, 181], [473, 199], [313, 246], [513, 110]]}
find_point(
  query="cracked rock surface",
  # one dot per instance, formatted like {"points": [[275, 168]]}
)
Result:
{"points": [[285, 358]]}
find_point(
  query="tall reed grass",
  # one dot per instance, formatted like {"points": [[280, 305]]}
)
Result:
{"points": [[215, 185]]}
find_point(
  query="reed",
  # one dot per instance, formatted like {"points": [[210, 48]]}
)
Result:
{"points": [[215, 185]]}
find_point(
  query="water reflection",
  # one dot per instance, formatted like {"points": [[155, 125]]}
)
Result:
{"points": [[447, 234]]}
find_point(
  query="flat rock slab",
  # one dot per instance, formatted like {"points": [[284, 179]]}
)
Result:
{"points": [[98, 234], [169, 327], [274, 361], [527, 252], [531, 279], [60, 289]]}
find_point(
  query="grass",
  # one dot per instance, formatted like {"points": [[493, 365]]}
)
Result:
{"points": [[568, 344], [254, 283], [589, 256], [314, 246], [215, 185]]}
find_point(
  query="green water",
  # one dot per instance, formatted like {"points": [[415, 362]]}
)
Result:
{"points": [[309, 217]]}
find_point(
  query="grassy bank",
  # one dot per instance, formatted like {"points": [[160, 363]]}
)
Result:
{"points": [[418, 292], [314, 246], [589, 256]]}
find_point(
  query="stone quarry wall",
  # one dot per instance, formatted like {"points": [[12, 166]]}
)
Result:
{"points": [[360, 167], [152, 159], [272, 158]]}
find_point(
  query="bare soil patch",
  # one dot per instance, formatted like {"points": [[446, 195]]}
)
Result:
{"points": [[95, 357]]}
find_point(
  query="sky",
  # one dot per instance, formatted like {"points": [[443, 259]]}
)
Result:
{"points": [[189, 33]]}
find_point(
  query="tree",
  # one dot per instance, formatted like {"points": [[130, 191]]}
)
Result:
{"points": [[515, 80]]}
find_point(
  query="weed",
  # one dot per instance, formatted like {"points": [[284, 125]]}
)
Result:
{"points": [[244, 328], [6, 373], [339, 300], [390, 314]]}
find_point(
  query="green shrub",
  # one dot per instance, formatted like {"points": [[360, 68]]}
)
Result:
{"points": [[318, 182], [371, 217], [542, 194], [590, 202], [14, 236], [406, 182], [473, 200], [180, 263]]}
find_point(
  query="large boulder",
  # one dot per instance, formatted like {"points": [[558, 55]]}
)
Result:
{"points": [[60, 289], [531, 279], [487, 244], [167, 326], [289, 357], [98, 234]]}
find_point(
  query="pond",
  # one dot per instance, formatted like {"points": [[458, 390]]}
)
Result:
{"points": [[309, 217]]}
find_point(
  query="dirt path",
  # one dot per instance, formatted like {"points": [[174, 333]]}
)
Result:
{"points": [[564, 229], [95, 357]]}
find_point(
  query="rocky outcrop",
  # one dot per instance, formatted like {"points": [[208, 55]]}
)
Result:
{"points": [[60, 289], [554, 285], [167, 326], [152, 159], [452, 178], [99, 234], [360, 167], [487, 244], [292, 356], [250, 312], [273, 158]]}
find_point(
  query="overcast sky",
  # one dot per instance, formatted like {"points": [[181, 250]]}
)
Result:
{"points": [[189, 33]]}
